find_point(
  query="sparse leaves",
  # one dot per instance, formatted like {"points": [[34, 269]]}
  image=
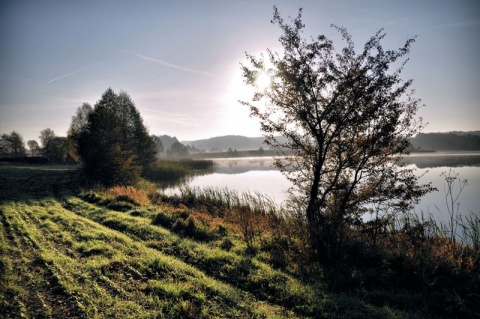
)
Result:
{"points": [[347, 117]]}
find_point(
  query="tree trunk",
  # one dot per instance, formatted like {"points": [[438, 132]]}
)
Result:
{"points": [[314, 217]]}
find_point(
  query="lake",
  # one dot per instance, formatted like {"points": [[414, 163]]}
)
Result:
{"points": [[257, 174]]}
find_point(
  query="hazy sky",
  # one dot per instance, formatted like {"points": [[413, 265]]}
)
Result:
{"points": [[179, 60]]}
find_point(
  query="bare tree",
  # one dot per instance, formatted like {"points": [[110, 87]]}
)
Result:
{"points": [[346, 117]]}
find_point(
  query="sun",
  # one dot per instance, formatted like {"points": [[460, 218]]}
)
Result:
{"points": [[236, 116], [238, 90], [263, 81]]}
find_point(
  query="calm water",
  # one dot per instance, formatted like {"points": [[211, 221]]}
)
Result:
{"points": [[258, 174]]}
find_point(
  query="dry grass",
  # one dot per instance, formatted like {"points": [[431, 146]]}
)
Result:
{"points": [[139, 196]]}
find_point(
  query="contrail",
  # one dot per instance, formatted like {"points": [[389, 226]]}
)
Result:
{"points": [[79, 70], [178, 67]]}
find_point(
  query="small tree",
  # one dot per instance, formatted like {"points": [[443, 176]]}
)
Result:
{"points": [[346, 117]]}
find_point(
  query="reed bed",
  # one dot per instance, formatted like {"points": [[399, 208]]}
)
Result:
{"points": [[229, 199], [178, 169]]}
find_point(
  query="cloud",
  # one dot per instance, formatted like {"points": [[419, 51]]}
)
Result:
{"points": [[168, 64], [71, 73]]}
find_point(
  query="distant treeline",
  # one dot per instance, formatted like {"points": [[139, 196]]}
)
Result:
{"points": [[233, 142], [451, 141], [223, 143]]}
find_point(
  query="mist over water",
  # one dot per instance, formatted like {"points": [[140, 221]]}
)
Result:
{"points": [[257, 174]]}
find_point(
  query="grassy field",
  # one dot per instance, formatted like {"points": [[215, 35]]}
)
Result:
{"points": [[68, 252]]}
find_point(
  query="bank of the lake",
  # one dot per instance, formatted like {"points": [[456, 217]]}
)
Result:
{"points": [[257, 174], [67, 251]]}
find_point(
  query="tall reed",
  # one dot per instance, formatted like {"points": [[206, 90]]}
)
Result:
{"points": [[230, 199]]}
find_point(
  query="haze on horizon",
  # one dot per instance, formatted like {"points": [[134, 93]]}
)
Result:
{"points": [[179, 61]]}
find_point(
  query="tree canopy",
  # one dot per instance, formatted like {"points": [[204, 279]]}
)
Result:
{"points": [[34, 147], [79, 121], [45, 136], [12, 145], [54, 148], [113, 143], [345, 116]]}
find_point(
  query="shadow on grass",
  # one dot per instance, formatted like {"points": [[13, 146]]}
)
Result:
{"points": [[33, 181]]}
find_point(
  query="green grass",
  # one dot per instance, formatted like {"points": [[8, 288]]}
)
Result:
{"points": [[106, 253], [73, 258]]}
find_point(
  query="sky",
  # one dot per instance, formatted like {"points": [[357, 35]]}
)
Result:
{"points": [[180, 60]]}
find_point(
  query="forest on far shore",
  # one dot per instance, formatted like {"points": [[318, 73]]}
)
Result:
{"points": [[13, 146], [450, 141]]}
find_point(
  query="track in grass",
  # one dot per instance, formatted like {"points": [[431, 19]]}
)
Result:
{"points": [[76, 267]]}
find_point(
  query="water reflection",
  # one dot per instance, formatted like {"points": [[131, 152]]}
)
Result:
{"points": [[259, 175], [243, 165], [420, 160], [432, 160]]}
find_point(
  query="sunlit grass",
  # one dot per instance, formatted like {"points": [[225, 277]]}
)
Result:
{"points": [[214, 253], [107, 258]]}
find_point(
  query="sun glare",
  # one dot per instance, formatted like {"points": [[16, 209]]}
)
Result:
{"points": [[237, 89], [263, 81], [237, 115]]}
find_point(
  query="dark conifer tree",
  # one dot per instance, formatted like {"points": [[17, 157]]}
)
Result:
{"points": [[114, 144]]}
